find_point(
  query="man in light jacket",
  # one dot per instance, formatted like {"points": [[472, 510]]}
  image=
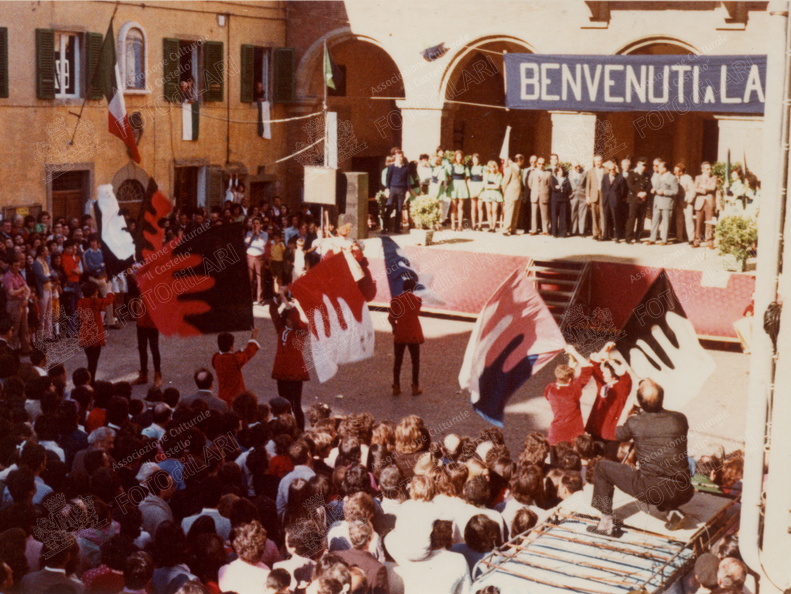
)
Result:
{"points": [[665, 187]]}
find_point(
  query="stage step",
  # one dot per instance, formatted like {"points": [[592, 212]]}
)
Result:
{"points": [[556, 282]]}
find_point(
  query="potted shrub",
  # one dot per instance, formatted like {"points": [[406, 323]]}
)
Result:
{"points": [[736, 238], [425, 212]]}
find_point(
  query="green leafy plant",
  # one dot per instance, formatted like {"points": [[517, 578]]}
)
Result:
{"points": [[737, 236], [718, 170], [425, 211]]}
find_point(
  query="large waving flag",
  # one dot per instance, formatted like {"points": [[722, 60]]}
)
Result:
{"points": [[109, 80], [341, 330], [399, 268], [659, 342], [151, 222], [514, 337], [198, 284], [118, 245]]}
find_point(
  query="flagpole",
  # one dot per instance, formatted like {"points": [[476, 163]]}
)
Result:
{"points": [[93, 79]]}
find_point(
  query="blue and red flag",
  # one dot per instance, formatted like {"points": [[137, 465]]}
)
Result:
{"points": [[399, 268], [514, 337]]}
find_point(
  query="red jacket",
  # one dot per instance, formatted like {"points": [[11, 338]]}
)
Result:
{"points": [[289, 362], [229, 371], [91, 324], [71, 266], [565, 402], [404, 315], [608, 407]]}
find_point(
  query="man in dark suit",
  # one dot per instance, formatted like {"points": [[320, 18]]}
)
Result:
{"points": [[639, 184], [59, 552], [663, 479], [613, 192], [205, 380], [375, 573]]}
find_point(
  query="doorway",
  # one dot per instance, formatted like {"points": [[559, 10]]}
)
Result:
{"points": [[185, 188], [70, 193]]}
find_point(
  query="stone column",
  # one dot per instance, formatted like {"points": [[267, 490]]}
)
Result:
{"points": [[421, 127], [574, 135], [743, 135]]}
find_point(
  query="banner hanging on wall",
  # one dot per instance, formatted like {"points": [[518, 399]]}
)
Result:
{"points": [[722, 84]]}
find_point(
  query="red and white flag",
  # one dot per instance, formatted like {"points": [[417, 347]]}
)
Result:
{"points": [[341, 330], [108, 78], [514, 337]]}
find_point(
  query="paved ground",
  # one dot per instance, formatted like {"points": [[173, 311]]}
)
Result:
{"points": [[717, 414]]}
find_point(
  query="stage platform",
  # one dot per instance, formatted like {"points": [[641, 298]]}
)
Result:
{"points": [[561, 555], [463, 269]]}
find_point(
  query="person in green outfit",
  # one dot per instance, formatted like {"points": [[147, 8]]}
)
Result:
{"points": [[475, 184], [491, 195], [459, 191]]}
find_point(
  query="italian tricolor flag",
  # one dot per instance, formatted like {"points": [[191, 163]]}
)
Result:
{"points": [[190, 120], [118, 121]]}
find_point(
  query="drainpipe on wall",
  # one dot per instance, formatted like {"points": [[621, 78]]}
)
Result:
{"points": [[773, 192]]}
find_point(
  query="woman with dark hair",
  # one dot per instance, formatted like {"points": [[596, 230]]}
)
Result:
{"points": [[481, 537], [207, 555], [170, 556]]}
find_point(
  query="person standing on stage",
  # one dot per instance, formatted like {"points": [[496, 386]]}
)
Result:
{"points": [[683, 207], [459, 174], [404, 318], [663, 478], [289, 369], [561, 194], [512, 192], [705, 189], [665, 186], [491, 196], [540, 195], [396, 188], [639, 185], [477, 169], [613, 385], [613, 193], [593, 195], [438, 187], [579, 210]]}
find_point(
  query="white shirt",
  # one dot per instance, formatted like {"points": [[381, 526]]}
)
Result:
{"points": [[256, 243], [243, 578], [442, 571], [222, 525]]}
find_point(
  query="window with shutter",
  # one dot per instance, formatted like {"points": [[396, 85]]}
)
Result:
{"points": [[45, 63], [3, 62], [248, 63], [94, 48], [213, 70], [284, 75], [170, 70]]}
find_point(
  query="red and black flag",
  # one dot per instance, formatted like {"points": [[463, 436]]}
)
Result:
{"points": [[659, 342], [151, 222], [198, 284]]}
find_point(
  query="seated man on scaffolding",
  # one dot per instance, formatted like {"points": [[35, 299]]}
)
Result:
{"points": [[662, 478]]}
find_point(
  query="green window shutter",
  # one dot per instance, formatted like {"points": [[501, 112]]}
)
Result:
{"points": [[45, 63], [94, 49], [284, 75], [3, 62], [213, 70], [170, 67], [248, 64]]}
